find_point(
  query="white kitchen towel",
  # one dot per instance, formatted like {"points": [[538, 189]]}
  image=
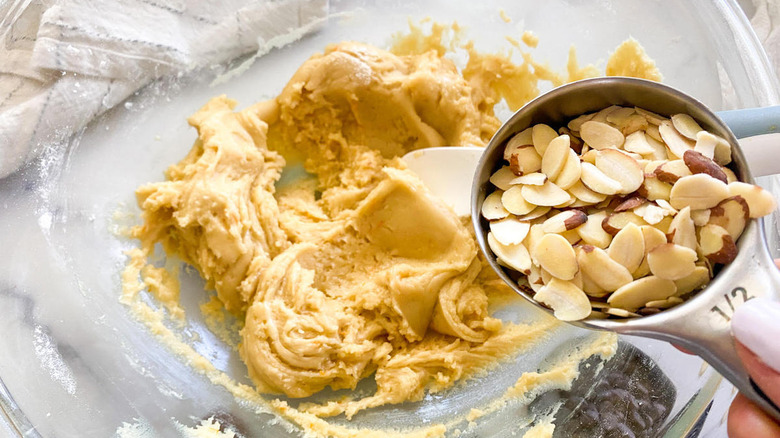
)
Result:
{"points": [[64, 62], [765, 18]]}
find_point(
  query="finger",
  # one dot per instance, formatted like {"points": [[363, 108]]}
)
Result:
{"points": [[746, 420], [777, 263], [765, 377]]}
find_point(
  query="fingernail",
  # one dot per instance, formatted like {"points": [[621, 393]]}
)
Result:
{"points": [[756, 324]]}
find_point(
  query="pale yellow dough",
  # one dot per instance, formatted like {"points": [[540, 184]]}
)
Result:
{"points": [[357, 270]]}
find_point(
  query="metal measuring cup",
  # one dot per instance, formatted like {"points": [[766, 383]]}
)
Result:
{"points": [[702, 324]]}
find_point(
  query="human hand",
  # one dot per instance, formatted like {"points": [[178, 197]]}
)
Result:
{"points": [[756, 327]]}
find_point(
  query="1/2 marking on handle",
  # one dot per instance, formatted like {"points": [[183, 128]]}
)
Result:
{"points": [[730, 297]]}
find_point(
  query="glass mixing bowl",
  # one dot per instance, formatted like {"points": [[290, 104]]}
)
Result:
{"points": [[74, 363]]}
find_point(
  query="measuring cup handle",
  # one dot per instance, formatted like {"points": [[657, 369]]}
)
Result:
{"points": [[758, 131], [703, 325]]}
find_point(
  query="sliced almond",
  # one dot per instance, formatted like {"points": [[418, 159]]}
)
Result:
{"points": [[589, 156], [531, 179], [676, 143], [619, 115], [597, 181], [716, 244], [685, 125], [621, 168], [513, 201], [732, 214], [653, 189], [576, 124], [671, 171], [492, 208], [615, 222], [554, 254], [564, 221], [525, 160], [637, 142], [630, 204], [653, 132], [571, 172], [651, 117], [502, 178], [523, 138], [722, 151], [664, 304], [571, 236], [635, 294], [698, 191], [693, 281], [663, 226], [583, 193], [602, 269], [535, 234], [632, 124], [576, 142], [514, 256], [542, 136], [671, 262], [555, 156], [569, 303], [534, 278], [730, 175], [548, 194], [760, 202], [698, 163], [659, 148], [683, 230], [592, 232], [652, 238], [509, 231], [701, 217], [591, 288], [535, 213], [705, 144], [566, 203], [628, 247], [600, 135], [651, 213], [601, 116]]}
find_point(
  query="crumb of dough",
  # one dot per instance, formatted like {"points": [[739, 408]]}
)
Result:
{"points": [[530, 39], [357, 270], [630, 59], [504, 16], [208, 428], [541, 430]]}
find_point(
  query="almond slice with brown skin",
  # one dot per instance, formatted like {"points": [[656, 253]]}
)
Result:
{"points": [[596, 180], [555, 156], [682, 229], [730, 175], [602, 269], [525, 160], [676, 143], [592, 232], [637, 293], [555, 255], [502, 178], [621, 168], [542, 136], [615, 222], [698, 163], [586, 195], [760, 202], [492, 208], [513, 201], [601, 135], [698, 191], [732, 214], [571, 172], [685, 125], [514, 256], [564, 221], [693, 281], [568, 302], [628, 247], [722, 151], [630, 204], [548, 194], [509, 231], [576, 141], [716, 244], [670, 171], [652, 188], [671, 262], [531, 179], [521, 139]]}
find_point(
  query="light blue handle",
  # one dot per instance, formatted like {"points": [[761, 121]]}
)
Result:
{"points": [[752, 121]]}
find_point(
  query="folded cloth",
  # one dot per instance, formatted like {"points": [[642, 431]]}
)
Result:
{"points": [[62, 63], [765, 19]]}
